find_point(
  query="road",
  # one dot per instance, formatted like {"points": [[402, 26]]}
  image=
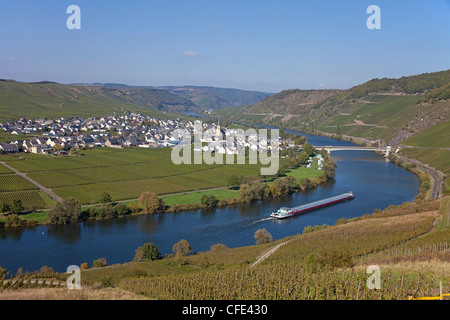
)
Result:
{"points": [[42, 188], [271, 251], [438, 177]]}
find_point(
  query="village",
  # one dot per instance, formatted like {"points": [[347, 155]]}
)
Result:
{"points": [[63, 136]]}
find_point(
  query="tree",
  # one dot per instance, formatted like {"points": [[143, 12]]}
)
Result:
{"points": [[105, 197], [205, 200], [107, 211], [309, 149], [69, 210], [234, 181], [147, 252], [134, 208], [262, 236], [121, 209], [303, 157], [16, 206], [4, 207], [285, 185], [182, 248], [329, 168], [307, 183], [209, 201], [255, 191], [149, 202], [300, 140]]}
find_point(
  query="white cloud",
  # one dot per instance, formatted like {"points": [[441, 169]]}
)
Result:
{"points": [[190, 53], [321, 85], [8, 58]]}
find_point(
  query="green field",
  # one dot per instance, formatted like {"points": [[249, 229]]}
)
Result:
{"points": [[126, 173]]}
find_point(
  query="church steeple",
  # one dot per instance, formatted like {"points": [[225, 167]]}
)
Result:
{"points": [[218, 133]]}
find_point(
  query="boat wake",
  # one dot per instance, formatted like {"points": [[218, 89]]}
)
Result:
{"points": [[260, 220]]}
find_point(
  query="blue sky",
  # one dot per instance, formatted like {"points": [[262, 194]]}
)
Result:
{"points": [[255, 45]]}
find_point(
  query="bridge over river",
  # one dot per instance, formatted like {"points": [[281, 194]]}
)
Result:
{"points": [[436, 175], [385, 150]]}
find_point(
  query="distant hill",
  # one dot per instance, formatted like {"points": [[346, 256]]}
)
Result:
{"points": [[215, 98], [203, 98], [51, 99]]}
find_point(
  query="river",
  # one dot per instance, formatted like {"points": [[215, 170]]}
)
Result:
{"points": [[375, 183]]}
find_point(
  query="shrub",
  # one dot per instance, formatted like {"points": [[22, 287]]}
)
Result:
{"points": [[107, 211], [99, 263], [262, 236], [147, 252], [134, 208], [218, 247], [84, 266], [121, 209]]}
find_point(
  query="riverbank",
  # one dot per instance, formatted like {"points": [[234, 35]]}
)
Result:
{"points": [[303, 179], [437, 189]]}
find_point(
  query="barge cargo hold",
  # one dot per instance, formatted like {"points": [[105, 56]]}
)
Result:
{"points": [[285, 212]]}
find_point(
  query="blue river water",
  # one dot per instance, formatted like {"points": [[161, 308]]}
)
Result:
{"points": [[375, 182]]}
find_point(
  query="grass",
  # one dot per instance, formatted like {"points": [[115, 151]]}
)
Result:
{"points": [[194, 198], [303, 172], [38, 216]]}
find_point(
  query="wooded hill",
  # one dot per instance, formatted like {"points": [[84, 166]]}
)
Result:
{"points": [[387, 109]]}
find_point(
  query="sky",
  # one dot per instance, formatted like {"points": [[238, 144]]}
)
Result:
{"points": [[262, 45]]}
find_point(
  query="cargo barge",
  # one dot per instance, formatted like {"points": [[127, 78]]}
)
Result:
{"points": [[285, 212]]}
